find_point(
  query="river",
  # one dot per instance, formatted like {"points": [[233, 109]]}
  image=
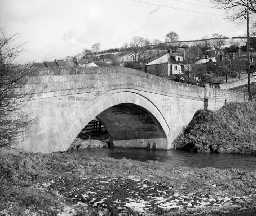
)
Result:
{"points": [[179, 158]]}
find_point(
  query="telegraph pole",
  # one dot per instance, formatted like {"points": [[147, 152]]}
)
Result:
{"points": [[248, 51]]}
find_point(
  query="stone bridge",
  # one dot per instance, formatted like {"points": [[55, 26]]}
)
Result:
{"points": [[136, 108]]}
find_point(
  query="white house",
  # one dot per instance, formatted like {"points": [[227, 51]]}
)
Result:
{"points": [[160, 65]]}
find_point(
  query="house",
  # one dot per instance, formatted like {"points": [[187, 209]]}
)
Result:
{"points": [[159, 66]]}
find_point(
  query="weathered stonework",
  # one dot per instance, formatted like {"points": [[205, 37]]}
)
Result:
{"points": [[61, 105]]}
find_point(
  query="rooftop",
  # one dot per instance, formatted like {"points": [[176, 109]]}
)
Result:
{"points": [[163, 59]]}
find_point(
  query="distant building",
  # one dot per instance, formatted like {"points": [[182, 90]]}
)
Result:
{"points": [[160, 66]]}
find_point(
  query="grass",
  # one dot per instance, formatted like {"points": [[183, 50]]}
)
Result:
{"points": [[81, 183]]}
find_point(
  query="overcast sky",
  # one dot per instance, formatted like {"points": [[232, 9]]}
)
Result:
{"points": [[58, 28]]}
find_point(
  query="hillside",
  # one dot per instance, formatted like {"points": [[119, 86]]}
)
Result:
{"points": [[232, 129]]}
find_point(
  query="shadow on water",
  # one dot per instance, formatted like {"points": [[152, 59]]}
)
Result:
{"points": [[180, 158]]}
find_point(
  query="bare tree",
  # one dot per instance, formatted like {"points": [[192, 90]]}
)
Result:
{"points": [[237, 7], [96, 47], [205, 45], [218, 41], [86, 52], [137, 47], [171, 37], [11, 77]]}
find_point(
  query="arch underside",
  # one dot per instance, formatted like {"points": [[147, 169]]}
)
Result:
{"points": [[128, 121], [131, 119]]}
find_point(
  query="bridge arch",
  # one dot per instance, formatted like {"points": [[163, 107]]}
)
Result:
{"points": [[117, 97]]}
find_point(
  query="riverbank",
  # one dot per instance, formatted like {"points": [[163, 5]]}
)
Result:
{"points": [[232, 129], [80, 183]]}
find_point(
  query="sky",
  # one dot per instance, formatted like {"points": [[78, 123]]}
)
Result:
{"points": [[54, 29]]}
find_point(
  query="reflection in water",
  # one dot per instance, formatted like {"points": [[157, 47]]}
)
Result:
{"points": [[179, 158]]}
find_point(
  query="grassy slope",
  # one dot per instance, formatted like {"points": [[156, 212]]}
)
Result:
{"points": [[232, 129]]}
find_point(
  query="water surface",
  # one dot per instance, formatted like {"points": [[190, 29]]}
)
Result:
{"points": [[180, 158]]}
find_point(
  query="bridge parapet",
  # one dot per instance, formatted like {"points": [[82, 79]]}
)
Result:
{"points": [[107, 79]]}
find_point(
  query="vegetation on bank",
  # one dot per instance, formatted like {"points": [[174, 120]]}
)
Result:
{"points": [[82, 183], [232, 129], [11, 77]]}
